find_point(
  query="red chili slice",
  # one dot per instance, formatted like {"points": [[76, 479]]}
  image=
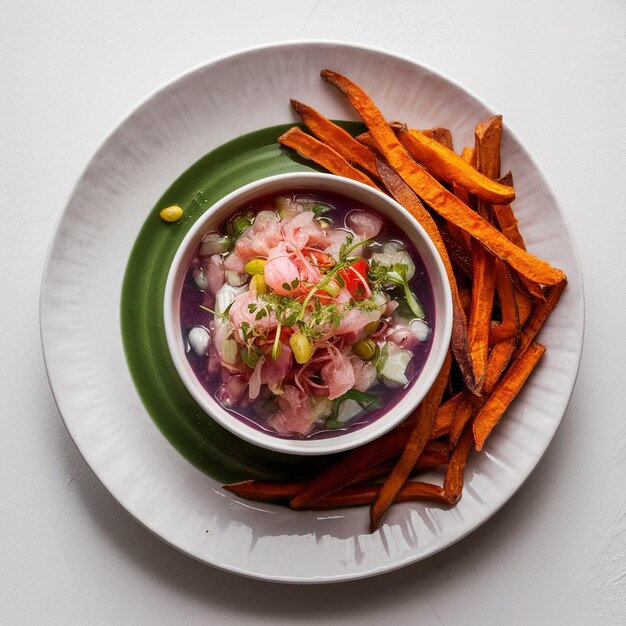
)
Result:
{"points": [[355, 278]]}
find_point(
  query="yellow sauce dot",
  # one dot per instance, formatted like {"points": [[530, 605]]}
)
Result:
{"points": [[171, 213]]}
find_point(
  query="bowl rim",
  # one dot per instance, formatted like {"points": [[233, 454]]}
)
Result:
{"points": [[349, 439]]}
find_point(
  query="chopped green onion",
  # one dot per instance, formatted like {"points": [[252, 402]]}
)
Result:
{"points": [[238, 225]]}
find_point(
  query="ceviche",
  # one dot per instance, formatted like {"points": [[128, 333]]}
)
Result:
{"points": [[305, 315]]}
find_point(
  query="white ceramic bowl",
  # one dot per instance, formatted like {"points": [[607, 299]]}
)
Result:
{"points": [[312, 182]]}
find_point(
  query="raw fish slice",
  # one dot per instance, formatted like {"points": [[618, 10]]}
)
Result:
{"points": [[338, 373], [364, 373], [295, 416]]}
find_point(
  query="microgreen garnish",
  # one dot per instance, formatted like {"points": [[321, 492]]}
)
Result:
{"points": [[320, 209]]}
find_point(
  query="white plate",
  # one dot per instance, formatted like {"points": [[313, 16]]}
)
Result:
{"points": [[80, 311]]}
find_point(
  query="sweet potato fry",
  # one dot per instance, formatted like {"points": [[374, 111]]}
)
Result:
{"points": [[264, 490], [435, 454], [424, 423], [479, 323], [499, 358], [336, 137], [539, 315], [440, 135], [445, 164], [465, 294], [354, 466], [434, 449], [504, 393], [468, 154], [434, 194], [421, 467], [488, 135], [445, 415], [453, 482], [505, 218], [358, 495], [458, 234], [534, 289], [509, 326], [462, 415], [515, 306], [458, 252], [524, 304], [487, 139], [380, 470], [405, 196], [431, 457], [367, 140], [322, 154]]}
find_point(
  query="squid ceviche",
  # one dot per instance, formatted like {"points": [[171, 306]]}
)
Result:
{"points": [[306, 315]]}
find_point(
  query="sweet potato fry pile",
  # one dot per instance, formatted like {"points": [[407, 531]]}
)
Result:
{"points": [[502, 296]]}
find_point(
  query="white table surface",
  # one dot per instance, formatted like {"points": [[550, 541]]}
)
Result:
{"points": [[556, 553]]}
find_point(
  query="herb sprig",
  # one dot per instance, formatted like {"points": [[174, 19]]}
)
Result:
{"points": [[380, 274]]}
